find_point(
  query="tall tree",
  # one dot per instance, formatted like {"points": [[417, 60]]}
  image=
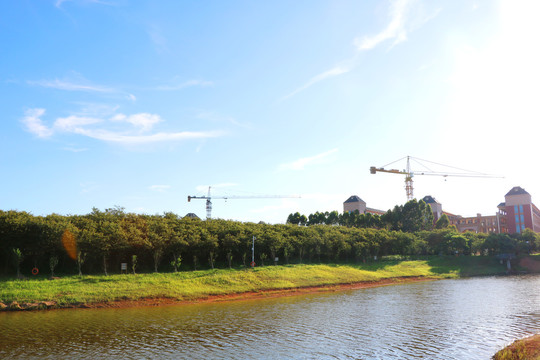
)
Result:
{"points": [[443, 222]]}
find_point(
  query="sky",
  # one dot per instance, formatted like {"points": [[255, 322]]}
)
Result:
{"points": [[140, 104]]}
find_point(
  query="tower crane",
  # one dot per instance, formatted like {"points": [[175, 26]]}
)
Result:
{"points": [[409, 173], [209, 198]]}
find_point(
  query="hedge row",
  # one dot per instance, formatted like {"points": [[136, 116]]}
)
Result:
{"points": [[101, 240]]}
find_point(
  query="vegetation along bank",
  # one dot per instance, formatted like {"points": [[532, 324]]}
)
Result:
{"points": [[523, 349], [40, 292], [167, 256]]}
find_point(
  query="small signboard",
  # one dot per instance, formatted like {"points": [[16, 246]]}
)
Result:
{"points": [[123, 267]]}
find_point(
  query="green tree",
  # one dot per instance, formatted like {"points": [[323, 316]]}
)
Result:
{"points": [[413, 216], [179, 232], [159, 235], [17, 260], [81, 257], [209, 245], [527, 241], [133, 263], [176, 263], [297, 219], [53, 262], [332, 218], [443, 222]]}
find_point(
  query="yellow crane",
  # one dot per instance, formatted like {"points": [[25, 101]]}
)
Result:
{"points": [[409, 173], [209, 198]]}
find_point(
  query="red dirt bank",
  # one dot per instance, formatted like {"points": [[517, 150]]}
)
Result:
{"points": [[264, 294]]}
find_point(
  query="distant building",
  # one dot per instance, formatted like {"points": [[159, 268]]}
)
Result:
{"points": [[479, 224], [191, 216], [354, 203], [521, 213], [514, 215], [436, 207]]}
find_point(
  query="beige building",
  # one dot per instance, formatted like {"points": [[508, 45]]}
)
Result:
{"points": [[354, 203]]}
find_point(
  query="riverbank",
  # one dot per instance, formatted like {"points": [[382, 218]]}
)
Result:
{"points": [[122, 290], [523, 349]]}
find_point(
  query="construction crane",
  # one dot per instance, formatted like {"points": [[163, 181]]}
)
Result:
{"points": [[208, 199], [409, 173]]}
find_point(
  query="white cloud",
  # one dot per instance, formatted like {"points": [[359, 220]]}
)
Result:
{"points": [[74, 123], [97, 110], [394, 30], [71, 85], [401, 22], [338, 70], [160, 188], [143, 121], [85, 126], [126, 139], [34, 124], [300, 164]]}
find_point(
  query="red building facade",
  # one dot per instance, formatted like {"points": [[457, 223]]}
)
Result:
{"points": [[521, 213], [514, 215]]}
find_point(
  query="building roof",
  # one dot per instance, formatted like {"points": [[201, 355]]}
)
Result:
{"points": [[501, 205], [428, 199], [192, 216], [450, 214], [375, 211], [354, 198], [517, 190]]}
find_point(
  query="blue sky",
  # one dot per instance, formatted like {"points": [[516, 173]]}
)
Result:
{"points": [[142, 103]]}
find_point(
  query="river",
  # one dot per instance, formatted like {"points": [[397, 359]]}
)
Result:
{"points": [[447, 319]]}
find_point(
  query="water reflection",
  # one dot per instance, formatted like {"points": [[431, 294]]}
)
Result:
{"points": [[451, 319]]}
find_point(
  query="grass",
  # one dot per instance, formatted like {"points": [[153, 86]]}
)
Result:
{"points": [[75, 290], [524, 349]]}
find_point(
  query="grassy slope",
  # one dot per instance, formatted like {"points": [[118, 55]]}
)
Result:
{"points": [[200, 284], [524, 349]]}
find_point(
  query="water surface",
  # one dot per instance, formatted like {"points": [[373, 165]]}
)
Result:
{"points": [[448, 319]]}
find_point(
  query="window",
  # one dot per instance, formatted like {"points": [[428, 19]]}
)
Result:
{"points": [[520, 208], [517, 218], [518, 229], [515, 209], [522, 219]]}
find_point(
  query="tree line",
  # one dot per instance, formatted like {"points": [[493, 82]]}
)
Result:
{"points": [[410, 217], [100, 241]]}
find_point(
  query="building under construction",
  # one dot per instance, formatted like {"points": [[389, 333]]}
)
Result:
{"points": [[514, 215]]}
